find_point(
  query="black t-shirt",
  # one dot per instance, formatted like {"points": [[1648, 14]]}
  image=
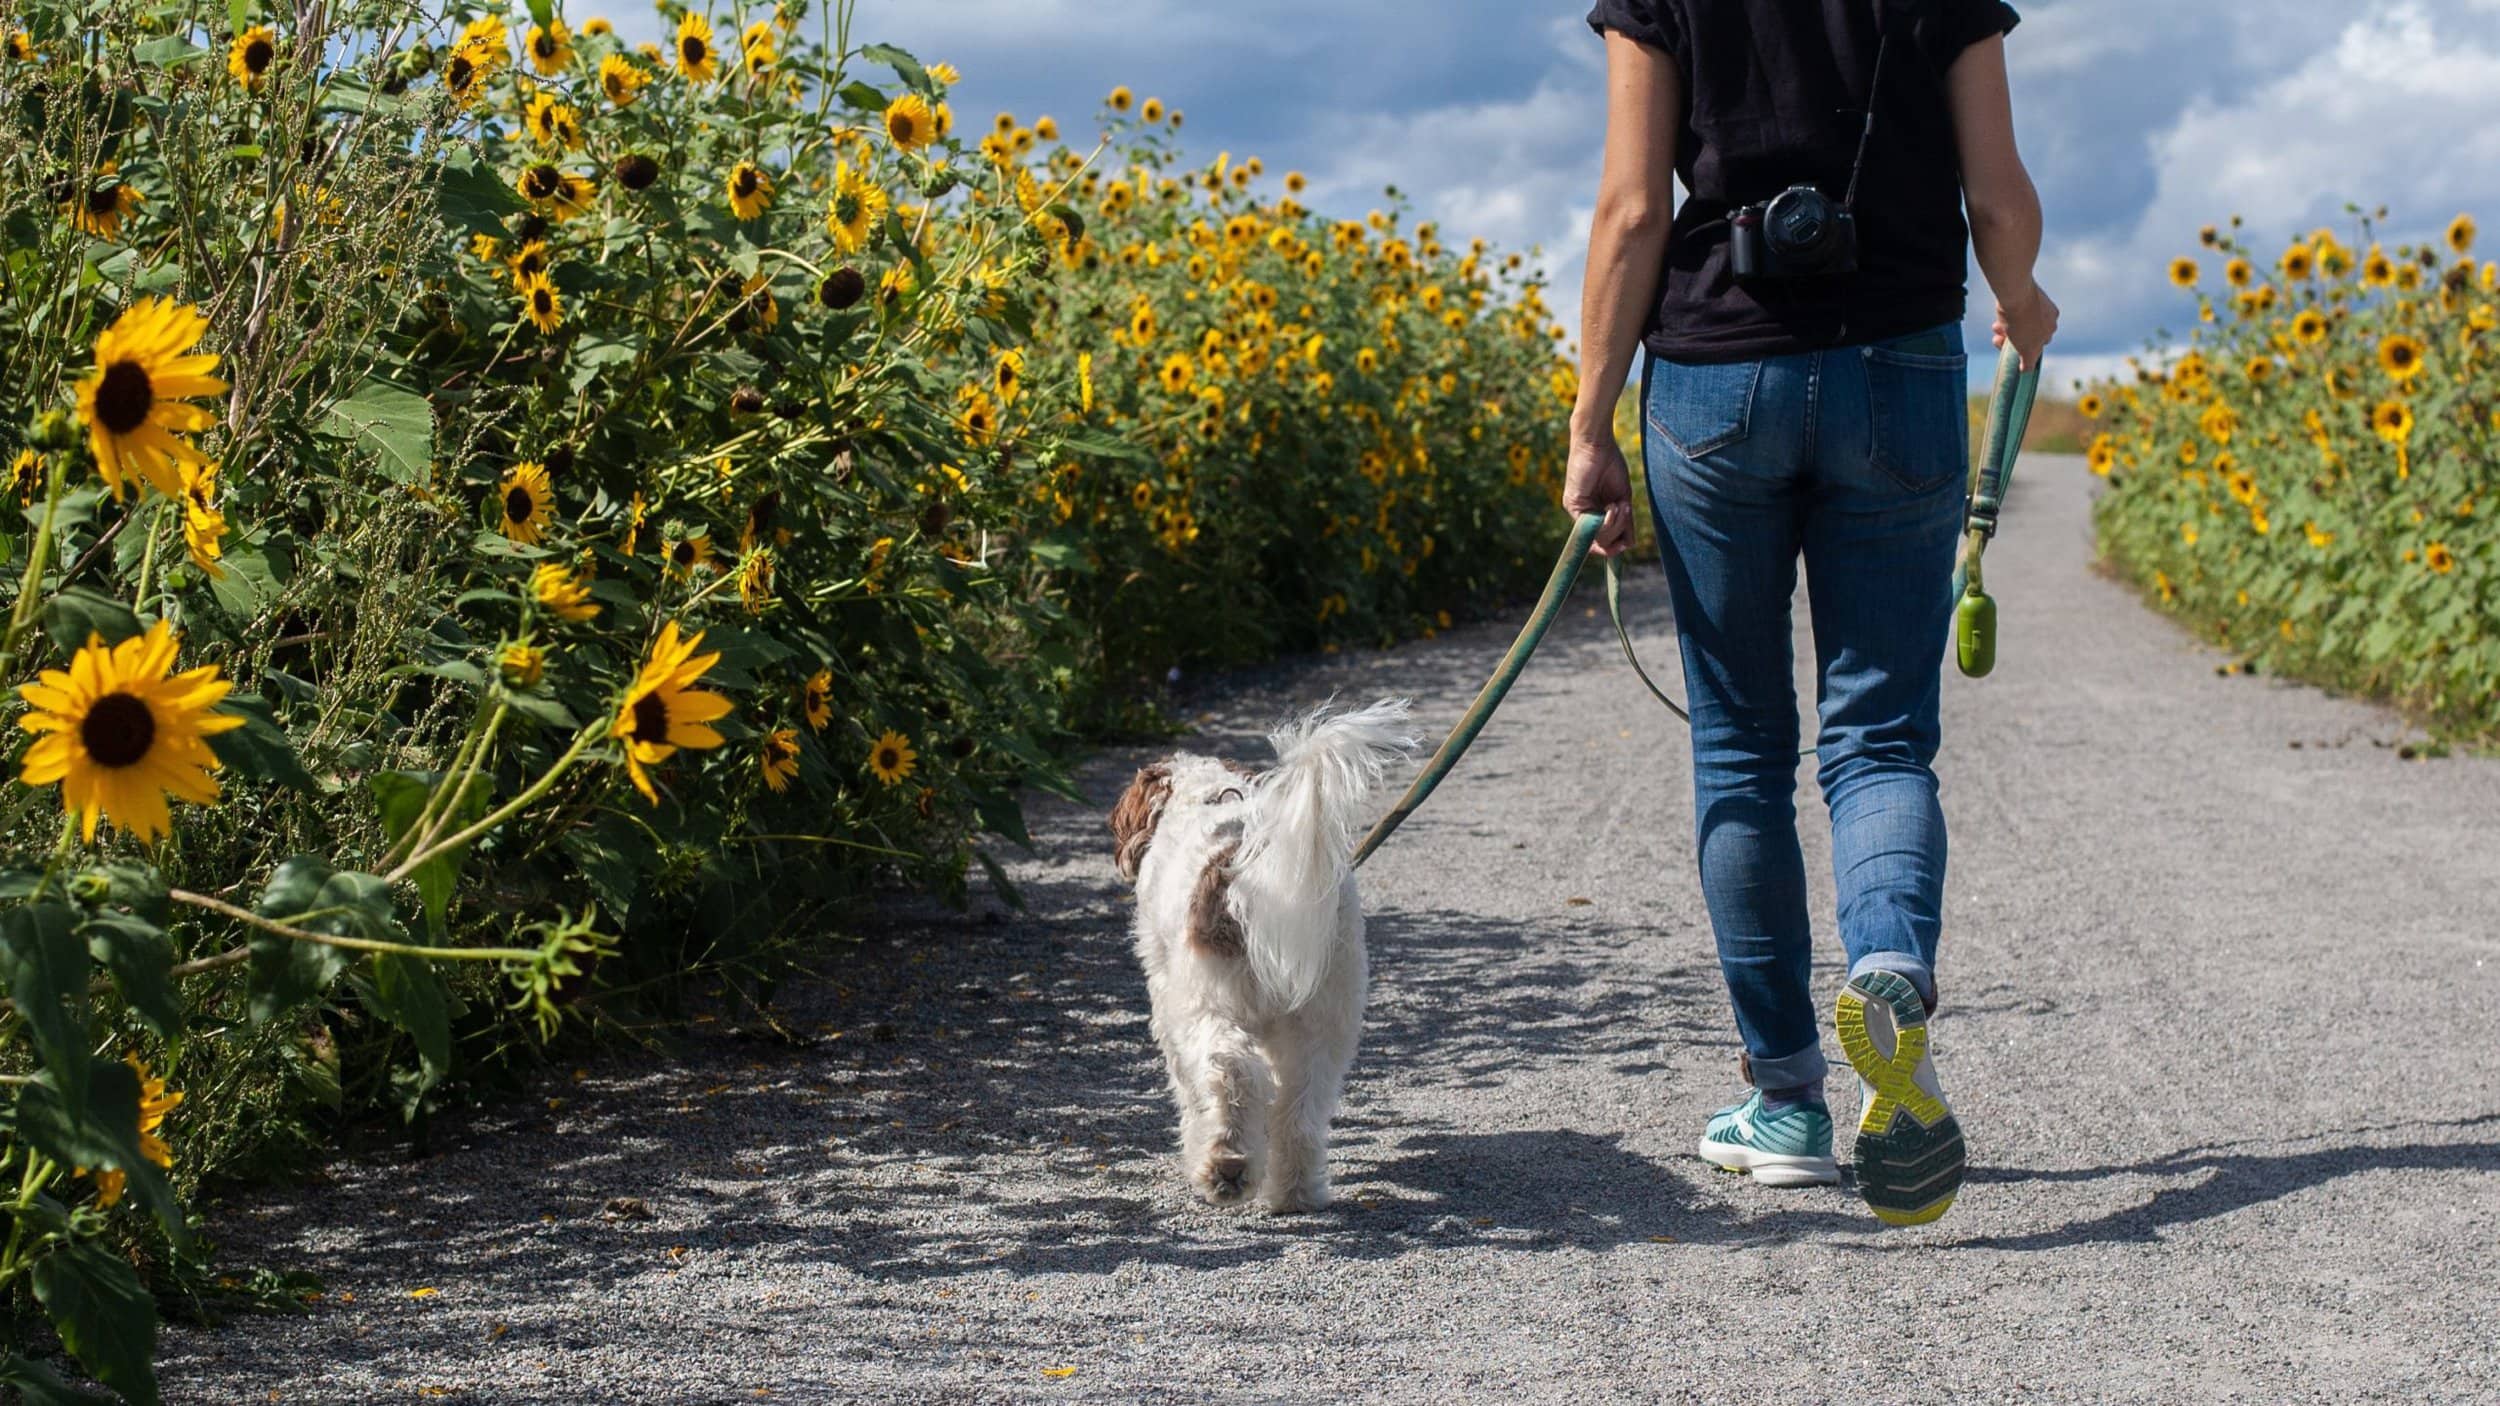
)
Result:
{"points": [[1775, 95]]}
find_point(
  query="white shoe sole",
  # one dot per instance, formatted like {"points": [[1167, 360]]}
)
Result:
{"points": [[1771, 1168]]}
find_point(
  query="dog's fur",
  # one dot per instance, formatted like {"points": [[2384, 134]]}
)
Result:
{"points": [[1251, 933]]}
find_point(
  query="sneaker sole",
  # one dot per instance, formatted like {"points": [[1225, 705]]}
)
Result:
{"points": [[1909, 1157], [1770, 1168]]}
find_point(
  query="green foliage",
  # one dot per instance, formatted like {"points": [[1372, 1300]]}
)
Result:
{"points": [[2309, 480]]}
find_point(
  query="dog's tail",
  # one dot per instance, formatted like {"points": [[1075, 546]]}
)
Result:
{"points": [[1299, 838]]}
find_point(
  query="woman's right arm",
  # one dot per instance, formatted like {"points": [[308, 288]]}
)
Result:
{"points": [[2004, 208]]}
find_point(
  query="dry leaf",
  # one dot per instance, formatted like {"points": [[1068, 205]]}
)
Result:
{"points": [[423, 1293], [1058, 1371], [1578, 902]]}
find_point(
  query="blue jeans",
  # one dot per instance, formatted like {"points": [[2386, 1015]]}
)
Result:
{"points": [[1856, 458]]}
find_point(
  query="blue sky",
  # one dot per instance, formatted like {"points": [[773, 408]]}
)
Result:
{"points": [[2141, 119]]}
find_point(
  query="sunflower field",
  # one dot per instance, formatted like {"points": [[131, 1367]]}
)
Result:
{"points": [[510, 522], [2309, 479]]}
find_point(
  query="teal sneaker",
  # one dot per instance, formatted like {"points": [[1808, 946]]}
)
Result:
{"points": [[1909, 1157], [1792, 1147]]}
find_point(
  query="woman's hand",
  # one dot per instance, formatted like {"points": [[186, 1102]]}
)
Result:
{"points": [[2029, 324], [1598, 481]]}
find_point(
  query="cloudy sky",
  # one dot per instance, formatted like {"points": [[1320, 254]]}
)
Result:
{"points": [[2141, 119]]}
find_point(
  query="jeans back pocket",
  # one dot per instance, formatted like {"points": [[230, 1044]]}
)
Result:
{"points": [[1918, 411], [1702, 408]]}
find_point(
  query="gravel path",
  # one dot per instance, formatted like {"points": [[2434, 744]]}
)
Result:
{"points": [[2219, 974]]}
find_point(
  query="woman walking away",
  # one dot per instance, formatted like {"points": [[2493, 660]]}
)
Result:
{"points": [[1804, 395]]}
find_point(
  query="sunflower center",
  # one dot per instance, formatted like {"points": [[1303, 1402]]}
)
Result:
{"points": [[543, 300], [888, 759], [124, 397], [118, 730], [682, 554], [517, 504], [546, 46], [746, 183], [901, 125], [458, 75], [540, 182], [257, 54], [104, 200], [845, 208], [694, 50], [650, 718]]}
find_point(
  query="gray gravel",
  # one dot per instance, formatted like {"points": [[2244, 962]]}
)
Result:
{"points": [[2220, 970]]}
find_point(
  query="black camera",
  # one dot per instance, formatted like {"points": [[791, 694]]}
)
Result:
{"points": [[1798, 233]]}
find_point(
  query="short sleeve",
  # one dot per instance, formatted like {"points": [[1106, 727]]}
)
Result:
{"points": [[1650, 22], [1963, 23]]}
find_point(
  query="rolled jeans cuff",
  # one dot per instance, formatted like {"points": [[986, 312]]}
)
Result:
{"points": [[1806, 1066], [1919, 973]]}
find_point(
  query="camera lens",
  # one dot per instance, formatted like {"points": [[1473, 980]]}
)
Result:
{"points": [[1799, 224]]}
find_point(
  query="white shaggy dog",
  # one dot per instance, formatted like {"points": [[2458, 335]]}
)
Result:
{"points": [[1252, 937]]}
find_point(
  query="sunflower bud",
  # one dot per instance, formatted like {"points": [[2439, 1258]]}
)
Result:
{"points": [[933, 518], [842, 288], [635, 171], [414, 62], [936, 181], [53, 429], [746, 400]]}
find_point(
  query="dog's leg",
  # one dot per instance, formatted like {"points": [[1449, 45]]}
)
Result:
{"points": [[1222, 1141], [1312, 1052]]}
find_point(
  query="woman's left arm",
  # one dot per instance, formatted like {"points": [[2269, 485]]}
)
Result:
{"points": [[1627, 251]]}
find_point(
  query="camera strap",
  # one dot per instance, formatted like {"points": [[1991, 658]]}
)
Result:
{"points": [[1874, 87]]}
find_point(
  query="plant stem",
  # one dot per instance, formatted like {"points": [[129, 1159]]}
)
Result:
{"points": [[537, 788], [36, 558], [353, 944]]}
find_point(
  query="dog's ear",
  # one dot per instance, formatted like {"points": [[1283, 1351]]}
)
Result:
{"points": [[1133, 818]]}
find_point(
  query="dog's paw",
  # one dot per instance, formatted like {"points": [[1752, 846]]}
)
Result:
{"points": [[1297, 1200], [1223, 1177]]}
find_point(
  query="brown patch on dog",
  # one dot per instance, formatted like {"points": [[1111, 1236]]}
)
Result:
{"points": [[1213, 931], [1134, 817]]}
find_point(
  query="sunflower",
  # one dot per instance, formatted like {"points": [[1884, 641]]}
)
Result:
{"points": [[2438, 558], [757, 49], [695, 56], [979, 417], [2238, 272], [1151, 110], [778, 758], [132, 402], [2090, 406], [892, 758], [687, 555], [909, 123], [521, 664], [27, 474], [2400, 356], [21, 47], [596, 26], [2184, 273], [203, 525], [1046, 129], [1085, 382], [564, 594], [760, 529], [550, 48], [529, 263], [552, 123], [541, 304], [755, 580], [2393, 420], [1121, 100], [2218, 421], [529, 502], [105, 204], [1008, 375], [663, 711], [857, 205], [816, 700], [621, 80], [154, 1104], [555, 192], [750, 190], [251, 55], [1142, 495], [1176, 373], [2461, 231], [120, 731], [471, 65], [2298, 263], [1141, 324], [2310, 326]]}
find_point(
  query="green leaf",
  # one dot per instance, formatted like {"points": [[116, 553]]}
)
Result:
{"points": [[401, 795], [238, 16], [259, 749], [99, 1129], [614, 853], [39, 1385], [543, 12], [904, 65], [998, 878], [410, 994], [396, 423], [45, 966], [863, 97], [105, 1316], [308, 894], [171, 51], [473, 198], [74, 615], [139, 954]]}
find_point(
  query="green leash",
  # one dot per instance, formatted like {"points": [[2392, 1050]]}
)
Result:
{"points": [[1974, 621]]}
